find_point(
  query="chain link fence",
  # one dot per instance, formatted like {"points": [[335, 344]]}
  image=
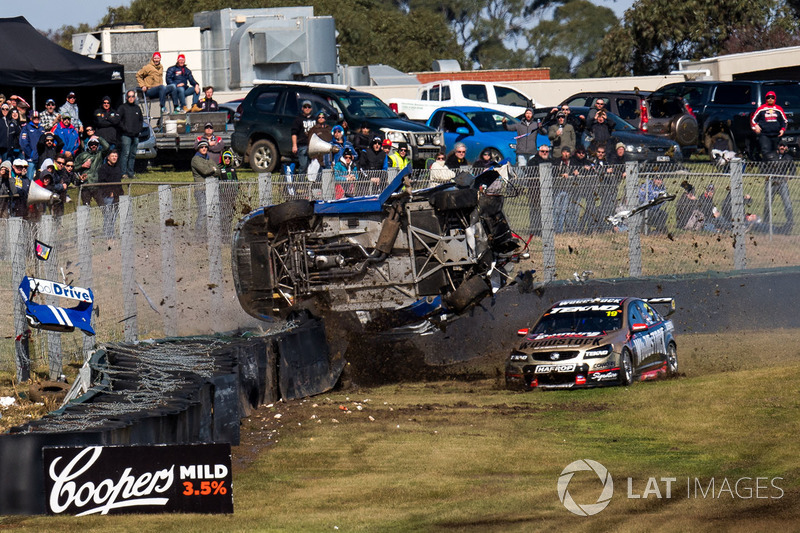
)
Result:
{"points": [[158, 261]]}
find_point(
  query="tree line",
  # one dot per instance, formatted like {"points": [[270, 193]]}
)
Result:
{"points": [[574, 38]]}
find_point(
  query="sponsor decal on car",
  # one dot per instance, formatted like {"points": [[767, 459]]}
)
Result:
{"points": [[546, 369], [585, 301], [519, 357], [561, 343], [604, 376], [583, 308], [607, 364]]}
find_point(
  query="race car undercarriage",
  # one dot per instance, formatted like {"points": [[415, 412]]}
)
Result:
{"points": [[425, 250]]}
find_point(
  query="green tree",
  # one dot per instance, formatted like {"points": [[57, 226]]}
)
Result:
{"points": [[655, 34], [491, 32], [569, 42]]}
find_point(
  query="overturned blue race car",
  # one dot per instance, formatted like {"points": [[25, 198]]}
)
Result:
{"points": [[393, 258]]}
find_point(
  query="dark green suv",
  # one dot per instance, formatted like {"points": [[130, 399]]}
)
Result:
{"points": [[724, 108], [262, 133]]}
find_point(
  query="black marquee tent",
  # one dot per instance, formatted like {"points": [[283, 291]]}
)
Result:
{"points": [[34, 67]]}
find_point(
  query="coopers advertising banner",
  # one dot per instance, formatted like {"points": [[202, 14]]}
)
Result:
{"points": [[138, 479]]}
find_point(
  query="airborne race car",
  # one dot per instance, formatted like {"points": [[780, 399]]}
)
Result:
{"points": [[394, 258], [595, 341]]}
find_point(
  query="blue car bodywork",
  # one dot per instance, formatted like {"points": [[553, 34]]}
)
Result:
{"points": [[52, 317], [478, 128]]}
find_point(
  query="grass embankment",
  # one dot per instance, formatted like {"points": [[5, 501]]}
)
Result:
{"points": [[466, 455]]}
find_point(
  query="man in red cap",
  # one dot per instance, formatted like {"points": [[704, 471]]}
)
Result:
{"points": [[151, 80], [769, 123], [181, 77]]}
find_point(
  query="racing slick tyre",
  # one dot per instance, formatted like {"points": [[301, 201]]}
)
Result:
{"points": [[626, 368], [468, 293], [48, 390], [672, 361], [291, 211], [263, 156]]}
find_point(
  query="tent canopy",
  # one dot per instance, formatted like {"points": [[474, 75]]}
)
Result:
{"points": [[29, 59]]}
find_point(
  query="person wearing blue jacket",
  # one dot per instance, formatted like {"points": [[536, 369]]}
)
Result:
{"points": [[67, 133], [340, 141], [181, 77], [28, 139]]}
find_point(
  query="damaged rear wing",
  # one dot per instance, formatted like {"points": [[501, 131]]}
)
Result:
{"points": [[669, 302]]}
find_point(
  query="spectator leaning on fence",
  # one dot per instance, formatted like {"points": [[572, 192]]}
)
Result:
{"points": [[439, 171]]}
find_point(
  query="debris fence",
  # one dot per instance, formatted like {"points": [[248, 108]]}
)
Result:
{"points": [[159, 260]]}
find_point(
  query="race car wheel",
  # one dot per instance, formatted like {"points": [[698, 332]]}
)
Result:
{"points": [[672, 361], [626, 368], [263, 156], [291, 211]]}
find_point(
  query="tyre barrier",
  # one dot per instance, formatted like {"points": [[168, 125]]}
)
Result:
{"points": [[169, 391]]}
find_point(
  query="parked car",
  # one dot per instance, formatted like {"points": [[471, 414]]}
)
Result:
{"points": [[478, 128], [233, 108], [262, 134], [394, 255], [723, 110], [659, 114], [450, 93], [639, 146], [592, 342]]}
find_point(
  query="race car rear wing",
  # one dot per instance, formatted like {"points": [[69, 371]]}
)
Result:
{"points": [[670, 302]]}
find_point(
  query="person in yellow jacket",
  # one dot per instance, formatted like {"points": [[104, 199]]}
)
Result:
{"points": [[151, 80], [399, 159]]}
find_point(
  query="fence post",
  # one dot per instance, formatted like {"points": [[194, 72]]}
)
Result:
{"points": [[47, 235], [737, 212], [167, 261], [634, 222], [264, 189], [17, 240], [548, 225], [328, 184], [214, 235], [84, 228], [126, 230]]}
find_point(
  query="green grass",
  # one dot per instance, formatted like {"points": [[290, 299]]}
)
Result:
{"points": [[469, 456]]}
